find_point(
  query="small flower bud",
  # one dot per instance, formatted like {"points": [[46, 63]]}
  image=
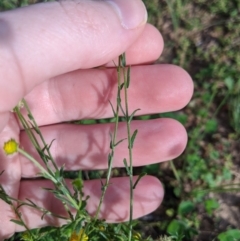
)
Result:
{"points": [[10, 147]]}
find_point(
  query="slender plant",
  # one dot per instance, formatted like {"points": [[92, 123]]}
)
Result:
{"points": [[80, 226]]}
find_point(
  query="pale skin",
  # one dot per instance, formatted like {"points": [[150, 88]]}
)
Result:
{"points": [[48, 52]]}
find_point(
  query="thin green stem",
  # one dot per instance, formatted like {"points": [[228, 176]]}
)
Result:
{"points": [[175, 171], [36, 163], [52, 178], [113, 144], [36, 207], [39, 132], [130, 155], [47, 173]]}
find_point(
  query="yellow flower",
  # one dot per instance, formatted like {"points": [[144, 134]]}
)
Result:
{"points": [[81, 236], [10, 147]]}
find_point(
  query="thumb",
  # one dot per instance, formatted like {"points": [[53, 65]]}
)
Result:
{"points": [[48, 39]]}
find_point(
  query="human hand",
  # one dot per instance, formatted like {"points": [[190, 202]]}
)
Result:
{"points": [[47, 55]]}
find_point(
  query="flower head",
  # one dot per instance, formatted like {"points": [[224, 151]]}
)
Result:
{"points": [[10, 147], [81, 236]]}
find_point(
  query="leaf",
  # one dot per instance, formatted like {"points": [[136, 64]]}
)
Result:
{"points": [[120, 87], [230, 235], [132, 115], [120, 141], [211, 205], [123, 60], [128, 77], [139, 178], [133, 138], [126, 166], [77, 184], [31, 202], [48, 189], [211, 126], [111, 144], [30, 116], [176, 227], [109, 159], [185, 207], [111, 140], [49, 146], [46, 212], [18, 222], [229, 82], [114, 113], [35, 128], [123, 112]]}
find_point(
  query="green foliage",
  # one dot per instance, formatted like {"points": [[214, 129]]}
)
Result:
{"points": [[185, 208], [211, 205], [230, 235], [180, 230]]}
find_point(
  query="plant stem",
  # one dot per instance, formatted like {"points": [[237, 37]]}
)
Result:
{"points": [[175, 171], [50, 177], [130, 155], [113, 144], [36, 163]]}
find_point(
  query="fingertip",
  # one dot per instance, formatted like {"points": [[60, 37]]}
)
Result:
{"points": [[187, 85], [179, 138], [147, 48]]}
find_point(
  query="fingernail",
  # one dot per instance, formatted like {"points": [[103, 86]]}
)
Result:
{"points": [[132, 13]]}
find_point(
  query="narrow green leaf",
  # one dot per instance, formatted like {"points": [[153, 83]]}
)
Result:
{"points": [[123, 112], [121, 86], [77, 184], [109, 159], [48, 189], [5, 198], [133, 138], [31, 202], [49, 146], [114, 113], [128, 77], [111, 140], [123, 60], [18, 222], [111, 144], [132, 115], [30, 116], [61, 171], [139, 178], [120, 141], [46, 212], [35, 128], [57, 174], [126, 166], [44, 148]]}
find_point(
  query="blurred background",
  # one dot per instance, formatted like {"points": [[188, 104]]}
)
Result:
{"points": [[202, 185], [202, 200]]}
